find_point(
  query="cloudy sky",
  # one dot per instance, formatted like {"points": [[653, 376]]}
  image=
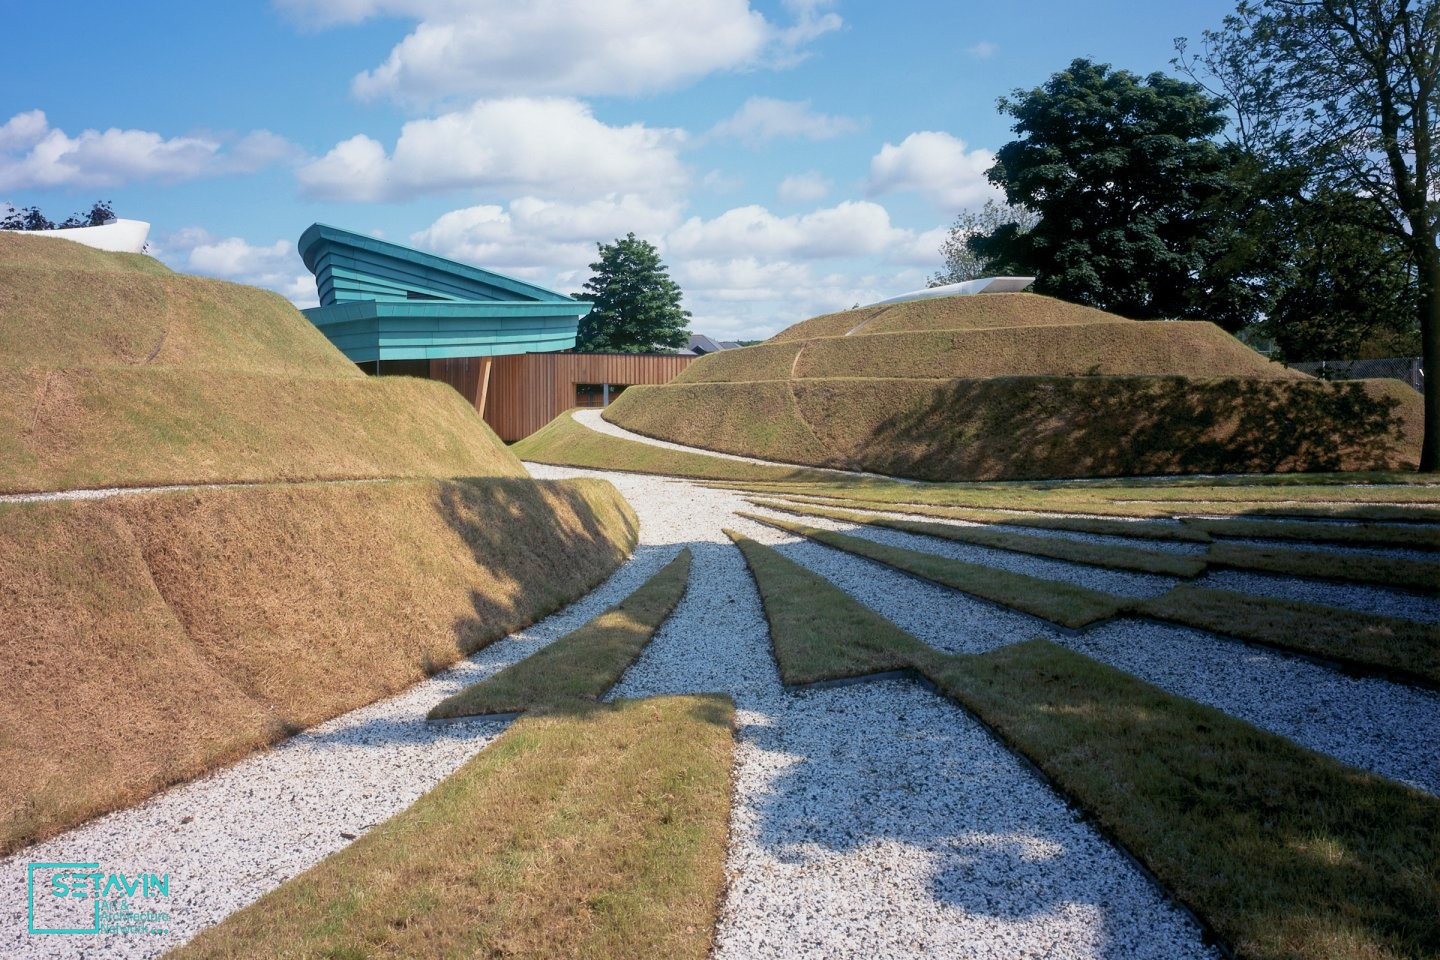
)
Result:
{"points": [[788, 157]]}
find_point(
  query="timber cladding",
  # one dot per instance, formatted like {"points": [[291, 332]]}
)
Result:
{"points": [[527, 390]]}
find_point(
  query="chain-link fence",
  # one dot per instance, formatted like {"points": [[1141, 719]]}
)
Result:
{"points": [[1396, 368]]}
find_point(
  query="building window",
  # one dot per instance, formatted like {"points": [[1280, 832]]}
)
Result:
{"points": [[597, 394]]}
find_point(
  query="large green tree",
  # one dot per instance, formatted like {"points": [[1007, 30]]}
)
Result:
{"points": [[637, 305], [1348, 93], [1128, 186]]}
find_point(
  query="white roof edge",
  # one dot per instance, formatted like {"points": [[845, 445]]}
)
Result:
{"points": [[117, 236], [966, 288]]}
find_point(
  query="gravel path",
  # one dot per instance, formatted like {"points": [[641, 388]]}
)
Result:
{"points": [[872, 820], [876, 820], [102, 493], [1388, 728], [231, 837]]}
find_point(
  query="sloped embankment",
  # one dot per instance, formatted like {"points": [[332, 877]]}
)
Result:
{"points": [[1017, 386], [115, 371], [149, 638]]}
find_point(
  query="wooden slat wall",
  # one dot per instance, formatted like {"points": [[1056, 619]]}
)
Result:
{"points": [[529, 390]]}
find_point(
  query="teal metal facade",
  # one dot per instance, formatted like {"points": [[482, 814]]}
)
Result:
{"points": [[385, 301]]}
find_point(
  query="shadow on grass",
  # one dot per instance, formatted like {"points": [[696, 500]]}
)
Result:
{"points": [[560, 540], [1035, 427]]}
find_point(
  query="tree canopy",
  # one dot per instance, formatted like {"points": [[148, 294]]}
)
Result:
{"points": [[1126, 184], [30, 218], [637, 305], [961, 262], [1344, 95]]}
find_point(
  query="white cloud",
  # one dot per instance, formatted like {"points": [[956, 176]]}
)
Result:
{"points": [[587, 47], [519, 144], [848, 229], [762, 119], [936, 165], [983, 50], [807, 187], [34, 154], [542, 239], [751, 297], [275, 267]]}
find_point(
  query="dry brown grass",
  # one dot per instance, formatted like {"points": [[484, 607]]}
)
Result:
{"points": [[594, 834], [66, 305], [1041, 427], [565, 442], [1058, 548], [949, 313], [1125, 350], [580, 666], [141, 426], [189, 628]]}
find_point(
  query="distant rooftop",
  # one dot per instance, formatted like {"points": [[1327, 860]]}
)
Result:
{"points": [[700, 345]]}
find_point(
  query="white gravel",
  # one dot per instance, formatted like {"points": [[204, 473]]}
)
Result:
{"points": [[1387, 728], [877, 820], [872, 820], [231, 837]]}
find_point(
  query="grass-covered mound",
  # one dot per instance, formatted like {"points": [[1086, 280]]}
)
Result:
{"points": [[1018, 386], [148, 638], [949, 313], [1179, 348], [115, 371], [1040, 427]]}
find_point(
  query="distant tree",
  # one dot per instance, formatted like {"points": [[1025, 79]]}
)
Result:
{"points": [[1348, 92], [30, 218], [963, 263], [637, 305], [1127, 188], [100, 213]]}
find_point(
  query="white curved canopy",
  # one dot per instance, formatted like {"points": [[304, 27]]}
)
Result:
{"points": [[117, 236], [983, 285]]}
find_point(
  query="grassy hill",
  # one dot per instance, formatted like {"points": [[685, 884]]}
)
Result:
{"points": [[1019, 386], [115, 371], [210, 622]]}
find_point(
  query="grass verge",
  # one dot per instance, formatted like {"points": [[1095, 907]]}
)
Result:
{"points": [[818, 631], [1326, 498], [599, 832], [1284, 853], [1402, 647], [1417, 575], [1062, 603], [1315, 531], [566, 443], [583, 664], [1074, 551], [1164, 531]]}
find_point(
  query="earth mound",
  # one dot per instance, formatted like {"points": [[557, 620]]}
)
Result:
{"points": [[1020, 386]]}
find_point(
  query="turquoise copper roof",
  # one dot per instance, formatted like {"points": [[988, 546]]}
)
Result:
{"points": [[385, 301]]}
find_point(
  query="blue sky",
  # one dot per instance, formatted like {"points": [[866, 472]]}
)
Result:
{"points": [[789, 157]]}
